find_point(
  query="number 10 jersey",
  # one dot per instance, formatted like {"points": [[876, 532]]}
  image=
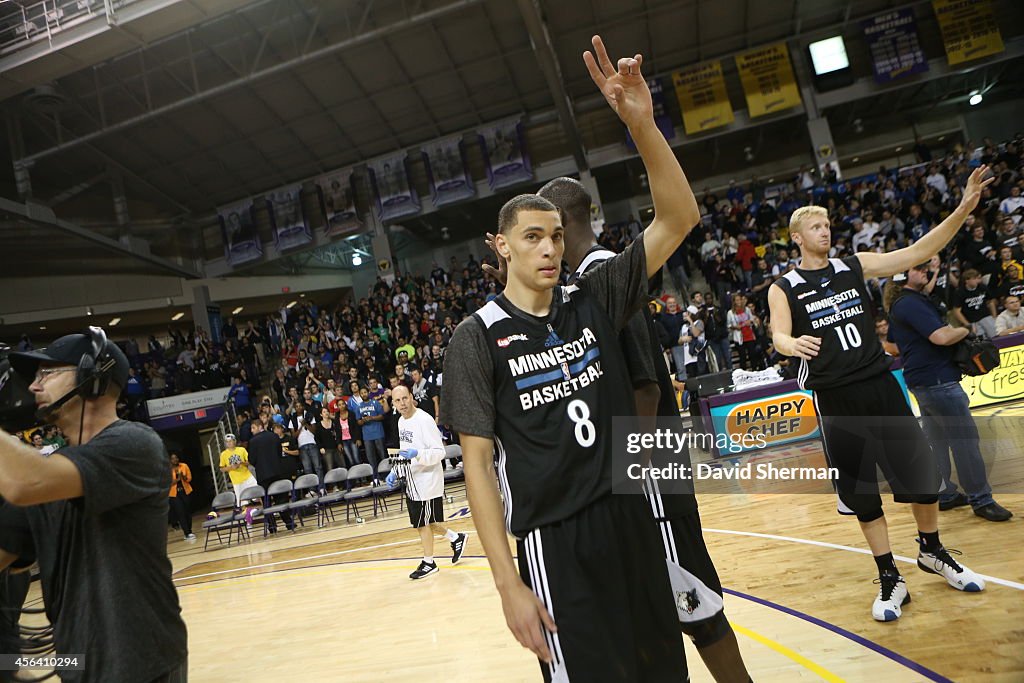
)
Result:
{"points": [[833, 303]]}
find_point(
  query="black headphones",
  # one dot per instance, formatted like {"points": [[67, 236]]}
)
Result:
{"points": [[94, 368]]}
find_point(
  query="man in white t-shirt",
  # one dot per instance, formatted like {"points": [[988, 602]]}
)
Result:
{"points": [[423, 450]]}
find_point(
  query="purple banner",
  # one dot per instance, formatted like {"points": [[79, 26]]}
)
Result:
{"points": [[895, 50], [505, 154], [395, 195], [290, 227], [445, 161], [241, 238], [340, 203], [661, 116]]}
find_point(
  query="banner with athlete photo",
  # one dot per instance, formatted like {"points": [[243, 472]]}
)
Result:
{"points": [[394, 193], [661, 117], [241, 238], [505, 154], [449, 178], [768, 81], [289, 226], [969, 28], [702, 97], [895, 50], [340, 203]]}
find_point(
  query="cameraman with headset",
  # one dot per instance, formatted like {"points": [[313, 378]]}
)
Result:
{"points": [[94, 516], [926, 344]]}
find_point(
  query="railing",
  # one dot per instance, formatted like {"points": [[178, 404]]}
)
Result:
{"points": [[40, 21], [216, 443]]}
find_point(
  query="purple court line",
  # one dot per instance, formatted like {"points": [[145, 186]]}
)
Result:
{"points": [[860, 640]]}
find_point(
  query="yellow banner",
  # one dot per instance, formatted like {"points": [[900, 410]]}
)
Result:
{"points": [[969, 29], [768, 80], [1005, 383], [702, 97]]}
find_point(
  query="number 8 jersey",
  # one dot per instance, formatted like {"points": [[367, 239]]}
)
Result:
{"points": [[546, 390], [833, 303]]}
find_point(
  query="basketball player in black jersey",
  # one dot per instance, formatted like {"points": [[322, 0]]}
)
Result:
{"points": [[535, 377], [695, 583], [819, 314]]}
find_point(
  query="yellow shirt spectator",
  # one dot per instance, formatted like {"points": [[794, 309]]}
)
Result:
{"points": [[231, 457]]}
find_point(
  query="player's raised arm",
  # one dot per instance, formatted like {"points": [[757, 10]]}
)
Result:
{"points": [[884, 265], [675, 207]]}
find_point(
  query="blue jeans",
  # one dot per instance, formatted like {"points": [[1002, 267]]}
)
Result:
{"points": [[310, 457], [351, 452], [375, 452], [949, 425], [723, 351]]}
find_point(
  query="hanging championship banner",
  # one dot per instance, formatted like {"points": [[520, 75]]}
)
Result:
{"points": [[340, 203], [289, 225], [446, 169], [969, 29], [895, 51], [702, 97], [505, 154], [661, 117], [768, 81], [394, 193], [241, 238]]}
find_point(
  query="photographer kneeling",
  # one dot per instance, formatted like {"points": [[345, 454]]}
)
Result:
{"points": [[94, 515], [926, 345]]}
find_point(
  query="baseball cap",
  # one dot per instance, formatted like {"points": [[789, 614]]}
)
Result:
{"points": [[69, 350], [230, 437]]}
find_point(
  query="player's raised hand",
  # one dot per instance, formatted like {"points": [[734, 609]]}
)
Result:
{"points": [[622, 84], [500, 274], [806, 347], [526, 617], [975, 184]]}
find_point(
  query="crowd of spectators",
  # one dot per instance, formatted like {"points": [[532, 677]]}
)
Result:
{"points": [[743, 245]]}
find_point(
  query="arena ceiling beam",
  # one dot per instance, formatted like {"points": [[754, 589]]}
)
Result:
{"points": [[414, 21], [544, 51], [42, 215]]}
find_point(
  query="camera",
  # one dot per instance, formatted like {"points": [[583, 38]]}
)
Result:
{"points": [[17, 404]]}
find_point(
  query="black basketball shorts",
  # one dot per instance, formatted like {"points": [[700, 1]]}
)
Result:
{"points": [[424, 512], [696, 588], [869, 425], [602, 576]]}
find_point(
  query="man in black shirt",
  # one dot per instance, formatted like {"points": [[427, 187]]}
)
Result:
{"points": [[974, 307], [267, 459], [693, 573], [536, 351], [424, 393], [94, 515], [819, 315]]}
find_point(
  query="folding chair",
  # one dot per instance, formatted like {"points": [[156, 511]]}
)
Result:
{"points": [[250, 494], [337, 477], [276, 489], [455, 475], [224, 520], [360, 471], [303, 485], [381, 493]]}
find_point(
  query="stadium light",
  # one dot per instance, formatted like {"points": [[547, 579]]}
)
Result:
{"points": [[976, 98]]}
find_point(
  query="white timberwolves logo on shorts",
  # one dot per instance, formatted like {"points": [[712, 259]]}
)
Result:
{"points": [[687, 601]]}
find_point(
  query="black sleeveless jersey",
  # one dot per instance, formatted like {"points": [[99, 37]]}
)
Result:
{"points": [[558, 384], [832, 303], [675, 498]]}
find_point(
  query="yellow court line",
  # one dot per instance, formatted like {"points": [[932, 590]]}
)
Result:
{"points": [[821, 671]]}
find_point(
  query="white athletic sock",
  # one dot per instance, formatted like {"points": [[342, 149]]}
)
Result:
{"points": [[428, 560], [451, 535]]}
